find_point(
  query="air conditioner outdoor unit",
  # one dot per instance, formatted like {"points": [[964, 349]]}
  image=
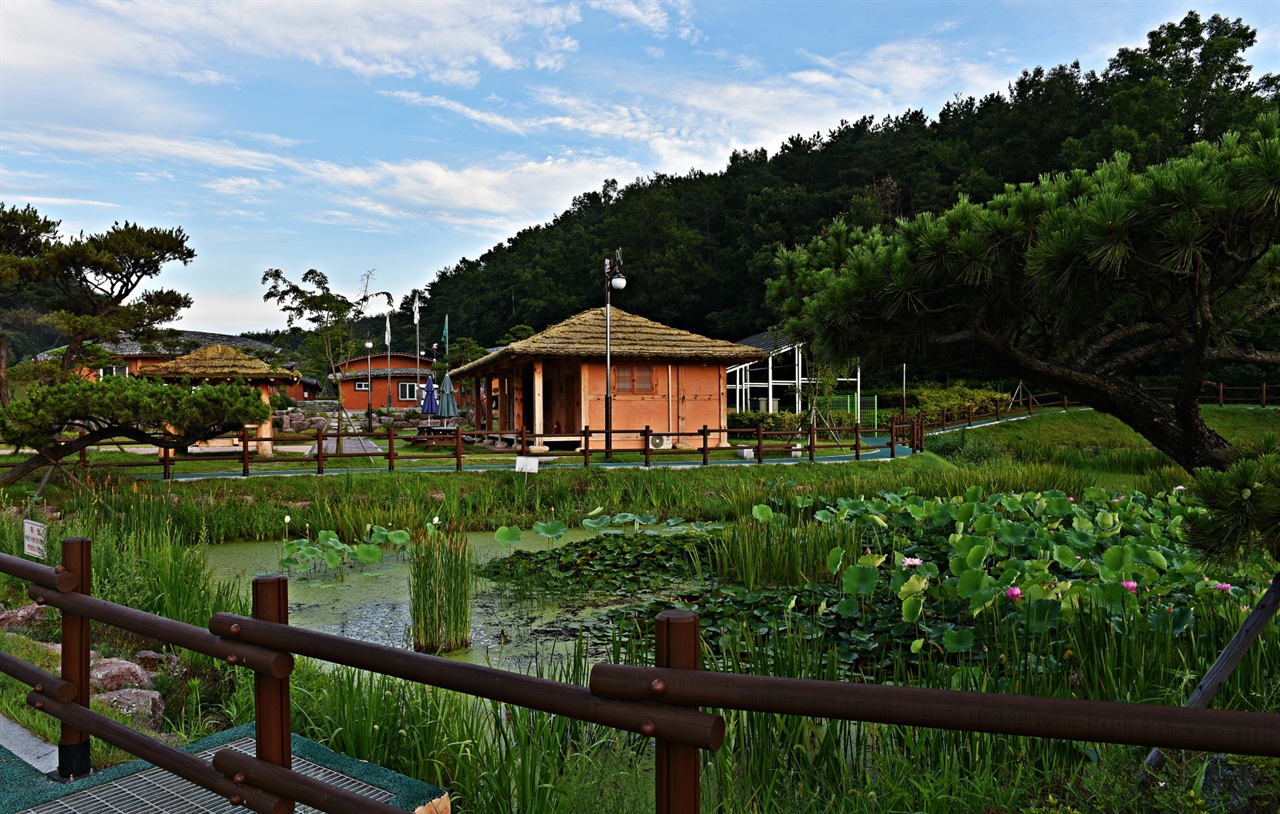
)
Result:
{"points": [[659, 442]]}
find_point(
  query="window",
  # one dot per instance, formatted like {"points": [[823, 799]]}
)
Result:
{"points": [[407, 391], [118, 370], [362, 386], [633, 379]]}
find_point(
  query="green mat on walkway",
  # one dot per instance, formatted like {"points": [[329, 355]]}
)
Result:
{"points": [[23, 787]]}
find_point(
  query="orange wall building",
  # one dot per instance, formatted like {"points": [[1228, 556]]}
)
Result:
{"points": [[385, 383], [553, 384]]}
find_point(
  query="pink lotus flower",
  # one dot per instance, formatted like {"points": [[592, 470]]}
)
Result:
{"points": [[1179, 488], [1222, 586], [911, 562], [1130, 586], [1014, 593]]}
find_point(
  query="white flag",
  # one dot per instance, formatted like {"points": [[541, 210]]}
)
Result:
{"points": [[415, 308], [388, 336]]}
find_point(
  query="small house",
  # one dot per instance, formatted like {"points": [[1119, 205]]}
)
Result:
{"points": [[553, 384], [220, 364], [381, 381], [129, 355]]}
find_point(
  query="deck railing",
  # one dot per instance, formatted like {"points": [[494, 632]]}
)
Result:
{"points": [[661, 702]]}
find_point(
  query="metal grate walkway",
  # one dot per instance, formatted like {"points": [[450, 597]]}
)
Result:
{"points": [[155, 791]]}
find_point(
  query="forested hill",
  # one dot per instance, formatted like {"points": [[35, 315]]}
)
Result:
{"points": [[698, 247]]}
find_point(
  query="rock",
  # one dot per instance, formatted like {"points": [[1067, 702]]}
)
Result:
{"points": [[29, 616], [110, 675], [145, 708], [154, 662]]}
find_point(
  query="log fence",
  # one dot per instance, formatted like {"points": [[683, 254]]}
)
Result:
{"points": [[460, 447], [664, 702]]}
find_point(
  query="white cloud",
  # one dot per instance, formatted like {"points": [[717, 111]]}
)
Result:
{"points": [[444, 39], [37, 199], [491, 119], [207, 77], [658, 17], [270, 139]]}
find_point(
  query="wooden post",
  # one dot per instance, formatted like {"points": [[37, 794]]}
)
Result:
{"points": [[969, 416], [457, 448], [320, 449], [1221, 401], [244, 451], [1264, 394], [271, 695], [857, 440], [646, 436], [1064, 404], [706, 444], [166, 461], [813, 440], [760, 443], [586, 445], [73, 744], [677, 770], [997, 410], [391, 445], [1028, 401]]}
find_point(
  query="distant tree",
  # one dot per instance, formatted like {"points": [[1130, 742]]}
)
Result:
{"points": [[330, 315], [515, 333], [25, 237], [1072, 282], [93, 281], [143, 410], [1190, 83]]}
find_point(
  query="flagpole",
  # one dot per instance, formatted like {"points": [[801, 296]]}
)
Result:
{"points": [[417, 350]]}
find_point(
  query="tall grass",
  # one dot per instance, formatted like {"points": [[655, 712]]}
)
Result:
{"points": [[440, 590]]}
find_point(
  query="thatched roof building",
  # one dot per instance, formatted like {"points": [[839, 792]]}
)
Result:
{"points": [[554, 384], [219, 363], [631, 337]]}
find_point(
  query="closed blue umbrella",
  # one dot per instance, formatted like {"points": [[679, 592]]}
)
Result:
{"points": [[448, 403], [429, 404]]}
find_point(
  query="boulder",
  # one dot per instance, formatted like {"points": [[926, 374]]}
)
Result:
{"points": [[110, 675], [145, 708], [27, 616], [154, 662]]}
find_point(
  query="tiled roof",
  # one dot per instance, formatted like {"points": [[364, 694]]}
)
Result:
{"points": [[770, 342], [631, 337], [182, 342]]}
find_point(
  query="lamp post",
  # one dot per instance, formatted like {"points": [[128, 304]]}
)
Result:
{"points": [[613, 279], [368, 372]]}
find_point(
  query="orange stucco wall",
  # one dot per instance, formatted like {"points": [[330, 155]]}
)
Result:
{"points": [[685, 397]]}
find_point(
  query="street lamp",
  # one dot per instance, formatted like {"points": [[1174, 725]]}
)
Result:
{"points": [[368, 371], [613, 279]]}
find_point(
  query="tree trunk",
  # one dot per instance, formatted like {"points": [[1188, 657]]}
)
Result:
{"points": [[51, 454], [1178, 431]]}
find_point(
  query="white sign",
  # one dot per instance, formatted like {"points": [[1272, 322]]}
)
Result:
{"points": [[527, 463], [33, 537]]}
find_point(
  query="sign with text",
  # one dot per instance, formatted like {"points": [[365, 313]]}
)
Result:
{"points": [[527, 464], [33, 537]]}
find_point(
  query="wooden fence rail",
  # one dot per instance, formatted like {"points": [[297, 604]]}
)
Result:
{"points": [[661, 702]]}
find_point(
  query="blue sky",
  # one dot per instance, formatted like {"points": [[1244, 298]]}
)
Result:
{"points": [[403, 136]]}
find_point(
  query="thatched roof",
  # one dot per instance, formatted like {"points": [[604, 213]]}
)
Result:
{"points": [[218, 362], [632, 337]]}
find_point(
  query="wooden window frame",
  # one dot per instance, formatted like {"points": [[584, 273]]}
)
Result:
{"points": [[628, 375]]}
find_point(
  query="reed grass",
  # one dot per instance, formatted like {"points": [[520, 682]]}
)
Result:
{"points": [[441, 578]]}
